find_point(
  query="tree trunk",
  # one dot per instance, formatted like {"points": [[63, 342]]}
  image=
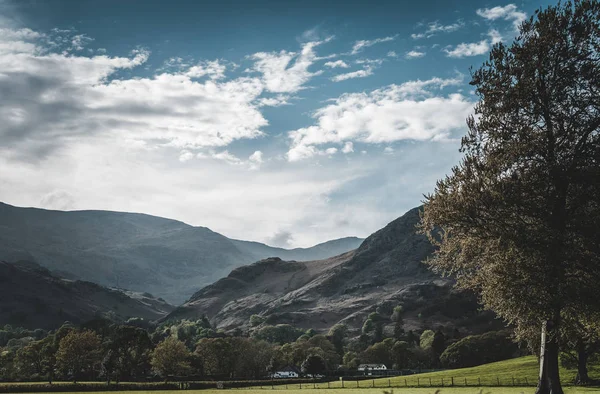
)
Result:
{"points": [[549, 382], [582, 377]]}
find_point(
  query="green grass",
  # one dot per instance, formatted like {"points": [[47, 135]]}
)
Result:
{"points": [[523, 370], [455, 390]]}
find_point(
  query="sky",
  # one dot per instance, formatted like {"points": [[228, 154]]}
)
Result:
{"points": [[284, 122]]}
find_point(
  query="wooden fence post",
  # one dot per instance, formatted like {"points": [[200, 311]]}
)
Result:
{"points": [[418, 382], [452, 381], [442, 382], [429, 382], [405, 383], [526, 384], [479, 381], [498, 380], [465, 382]]}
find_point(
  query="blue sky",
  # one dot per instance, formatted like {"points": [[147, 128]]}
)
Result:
{"points": [[284, 122]]}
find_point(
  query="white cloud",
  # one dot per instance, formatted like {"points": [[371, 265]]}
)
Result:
{"points": [[509, 12], [275, 101], [365, 72], [213, 69], [255, 160], [495, 36], [414, 54], [410, 111], [468, 49], [55, 97], [362, 44], [434, 28], [185, 155], [79, 41], [337, 63], [392, 54], [388, 150], [371, 62], [348, 147], [287, 72]]}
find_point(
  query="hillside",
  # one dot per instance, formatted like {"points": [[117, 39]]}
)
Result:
{"points": [[385, 271], [34, 298], [140, 252]]}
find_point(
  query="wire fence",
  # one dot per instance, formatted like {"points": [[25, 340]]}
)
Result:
{"points": [[401, 382]]}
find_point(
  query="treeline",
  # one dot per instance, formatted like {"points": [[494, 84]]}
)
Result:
{"points": [[139, 350]]}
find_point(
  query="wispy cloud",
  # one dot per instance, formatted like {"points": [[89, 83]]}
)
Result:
{"points": [[468, 49], [474, 48], [414, 54], [434, 28], [362, 44], [509, 12], [365, 72], [336, 64], [287, 72]]}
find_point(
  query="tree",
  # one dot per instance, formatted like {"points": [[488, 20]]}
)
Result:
{"points": [[313, 365], [401, 355], [79, 354], [338, 334], [379, 353], [479, 349], [30, 360], [426, 340], [398, 322], [170, 357], [256, 320], [131, 348], [517, 220], [281, 333], [351, 360]]}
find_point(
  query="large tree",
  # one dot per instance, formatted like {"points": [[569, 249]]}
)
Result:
{"points": [[518, 219], [171, 357], [79, 354]]}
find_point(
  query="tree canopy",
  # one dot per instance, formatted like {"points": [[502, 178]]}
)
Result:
{"points": [[518, 219]]}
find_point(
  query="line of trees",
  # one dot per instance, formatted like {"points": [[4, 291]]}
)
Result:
{"points": [[137, 350]]}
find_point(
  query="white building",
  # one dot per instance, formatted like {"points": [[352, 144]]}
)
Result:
{"points": [[369, 368], [286, 373]]}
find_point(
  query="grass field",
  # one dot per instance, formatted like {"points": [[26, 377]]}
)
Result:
{"points": [[455, 390], [505, 377]]}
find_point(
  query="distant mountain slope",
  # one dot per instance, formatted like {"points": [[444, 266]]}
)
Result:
{"points": [[32, 297], [383, 272], [135, 251], [321, 251]]}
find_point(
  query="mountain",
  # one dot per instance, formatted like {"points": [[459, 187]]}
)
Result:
{"points": [[140, 252], [385, 271], [319, 251], [32, 297]]}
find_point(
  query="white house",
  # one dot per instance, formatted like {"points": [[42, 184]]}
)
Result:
{"points": [[286, 373], [369, 368]]}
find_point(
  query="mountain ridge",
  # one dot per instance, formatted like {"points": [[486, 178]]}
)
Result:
{"points": [[140, 252], [33, 297], [385, 271]]}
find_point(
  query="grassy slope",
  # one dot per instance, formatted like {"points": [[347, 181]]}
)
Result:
{"points": [[520, 369]]}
